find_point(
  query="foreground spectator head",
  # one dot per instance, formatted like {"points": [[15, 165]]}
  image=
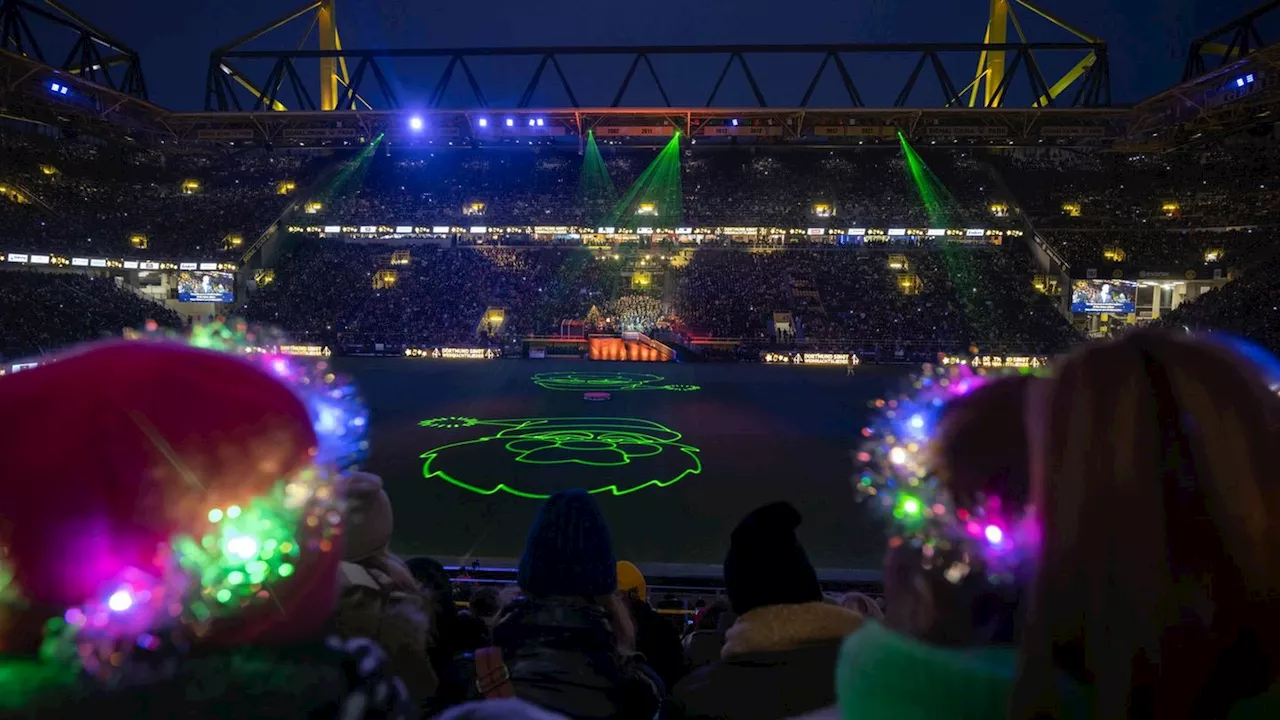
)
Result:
{"points": [[780, 655], [380, 598], [766, 564], [980, 448], [568, 646], [102, 443], [943, 628], [119, 469], [569, 552], [1159, 574]]}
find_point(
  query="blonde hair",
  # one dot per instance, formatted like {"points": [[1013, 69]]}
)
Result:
{"points": [[1160, 568]]}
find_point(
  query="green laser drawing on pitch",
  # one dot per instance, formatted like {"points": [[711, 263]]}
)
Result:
{"points": [[535, 457], [606, 382]]}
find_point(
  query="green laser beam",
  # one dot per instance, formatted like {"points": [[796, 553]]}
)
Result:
{"points": [[606, 382], [660, 185], [584, 443]]}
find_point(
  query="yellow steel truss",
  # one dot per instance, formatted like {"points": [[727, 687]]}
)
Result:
{"points": [[333, 70], [991, 64]]}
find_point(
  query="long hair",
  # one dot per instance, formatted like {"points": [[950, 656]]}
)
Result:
{"points": [[1159, 570]]}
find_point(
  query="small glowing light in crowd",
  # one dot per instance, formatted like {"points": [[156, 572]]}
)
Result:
{"points": [[120, 600], [917, 422], [215, 515], [280, 366], [242, 547], [415, 123], [483, 122], [911, 506], [995, 535], [511, 122], [897, 456]]}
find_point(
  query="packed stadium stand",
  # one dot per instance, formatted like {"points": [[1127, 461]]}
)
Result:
{"points": [[721, 186], [80, 195], [41, 311]]}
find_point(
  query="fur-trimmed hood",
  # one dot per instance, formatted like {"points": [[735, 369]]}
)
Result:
{"points": [[779, 628]]}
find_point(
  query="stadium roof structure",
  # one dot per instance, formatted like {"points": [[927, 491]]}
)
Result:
{"points": [[1010, 98]]}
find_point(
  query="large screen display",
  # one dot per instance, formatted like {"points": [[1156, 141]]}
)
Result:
{"points": [[206, 287], [1103, 296]]}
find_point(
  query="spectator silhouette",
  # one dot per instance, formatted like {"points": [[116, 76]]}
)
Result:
{"points": [[656, 637], [569, 645], [1159, 577], [380, 597], [779, 657], [939, 630]]}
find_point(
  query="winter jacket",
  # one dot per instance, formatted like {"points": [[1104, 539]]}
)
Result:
{"points": [[560, 655], [778, 661]]}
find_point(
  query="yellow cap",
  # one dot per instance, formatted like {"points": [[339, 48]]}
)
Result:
{"points": [[630, 578]]}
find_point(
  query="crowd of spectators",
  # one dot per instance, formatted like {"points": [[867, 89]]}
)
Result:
{"points": [[78, 195], [1160, 610], [960, 296], [947, 299], [1247, 307], [1155, 212], [719, 187], [326, 291], [41, 311]]}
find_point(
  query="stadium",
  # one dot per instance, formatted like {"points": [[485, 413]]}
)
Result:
{"points": [[688, 302]]}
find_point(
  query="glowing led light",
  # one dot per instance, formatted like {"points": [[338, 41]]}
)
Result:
{"points": [[995, 535], [120, 600], [215, 515], [511, 122], [280, 366], [242, 547], [233, 512], [415, 123], [911, 506], [483, 122], [897, 456], [917, 422]]}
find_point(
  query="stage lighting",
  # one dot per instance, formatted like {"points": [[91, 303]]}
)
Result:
{"points": [[415, 123], [734, 122], [483, 122], [531, 122], [511, 122], [57, 89], [539, 122]]}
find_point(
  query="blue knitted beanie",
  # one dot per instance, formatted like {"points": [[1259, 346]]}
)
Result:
{"points": [[569, 552]]}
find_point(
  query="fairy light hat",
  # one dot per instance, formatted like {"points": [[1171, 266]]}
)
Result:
{"points": [[169, 488], [897, 473]]}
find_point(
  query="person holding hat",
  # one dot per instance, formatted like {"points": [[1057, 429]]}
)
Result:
{"points": [[569, 645], [119, 479], [779, 658]]}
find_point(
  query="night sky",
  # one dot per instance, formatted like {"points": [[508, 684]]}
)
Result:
{"points": [[1147, 40]]}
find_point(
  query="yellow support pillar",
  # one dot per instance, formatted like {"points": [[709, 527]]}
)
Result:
{"points": [[997, 33], [328, 26]]}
